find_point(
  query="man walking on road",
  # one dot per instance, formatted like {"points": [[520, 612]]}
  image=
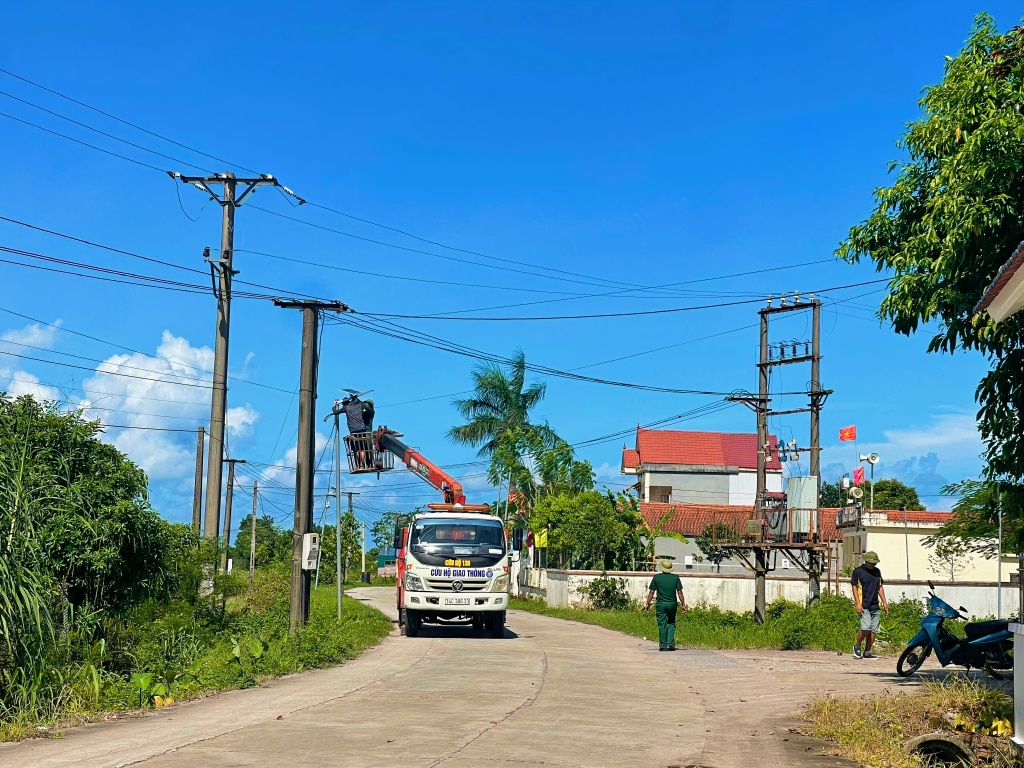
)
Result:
{"points": [[869, 596], [667, 586]]}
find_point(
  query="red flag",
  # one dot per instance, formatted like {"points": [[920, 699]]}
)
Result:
{"points": [[858, 476], [848, 434]]}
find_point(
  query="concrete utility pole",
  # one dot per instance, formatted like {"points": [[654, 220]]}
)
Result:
{"points": [[761, 554], [816, 402], [252, 534], [197, 492], [364, 574], [229, 200], [304, 469], [227, 511], [792, 542]]}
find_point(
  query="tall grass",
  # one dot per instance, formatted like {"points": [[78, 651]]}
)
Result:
{"points": [[831, 625]]}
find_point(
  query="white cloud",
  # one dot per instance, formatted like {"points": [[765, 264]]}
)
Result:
{"points": [[17, 382], [240, 421], [169, 390], [20, 383], [36, 335]]}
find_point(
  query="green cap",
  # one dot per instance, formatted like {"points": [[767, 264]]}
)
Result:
{"points": [[871, 557]]}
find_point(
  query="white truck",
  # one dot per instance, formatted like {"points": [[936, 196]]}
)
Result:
{"points": [[453, 561], [453, 568]]}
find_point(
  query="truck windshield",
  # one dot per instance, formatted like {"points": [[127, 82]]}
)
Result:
{"points": [[444, 537]]}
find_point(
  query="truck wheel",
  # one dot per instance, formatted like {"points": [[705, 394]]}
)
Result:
{"points": [[412, 623], [498, 624]]}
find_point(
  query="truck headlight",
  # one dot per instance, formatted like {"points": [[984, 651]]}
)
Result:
{"points": [[500, 583], [414, 583]]}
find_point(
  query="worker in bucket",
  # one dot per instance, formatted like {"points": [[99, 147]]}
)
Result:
{"points": [[354, 410], [669, 590]]}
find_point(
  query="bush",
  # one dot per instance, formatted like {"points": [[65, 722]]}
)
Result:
{"points": [[607, 593]]}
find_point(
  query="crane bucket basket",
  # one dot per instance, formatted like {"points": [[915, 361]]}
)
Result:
{"points": [[363, 456]]}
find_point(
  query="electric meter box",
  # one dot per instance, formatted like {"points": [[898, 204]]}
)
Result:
{"points": [[310, 551]]}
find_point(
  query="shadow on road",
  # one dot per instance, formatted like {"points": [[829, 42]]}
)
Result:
{"points": [[941, 675], [458, 630]]}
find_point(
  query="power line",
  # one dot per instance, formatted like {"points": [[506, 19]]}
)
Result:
{"points": [[136, 351], [107, 373], [122, 121], [603, 315], [97, 130], [83, 143], [133, 254]]}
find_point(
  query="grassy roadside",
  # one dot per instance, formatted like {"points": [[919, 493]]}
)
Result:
{"points": [[831, 625], [875, 730], [174, 652]]}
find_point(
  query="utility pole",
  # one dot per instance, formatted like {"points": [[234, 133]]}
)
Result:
{"points": [[760, 554], [803, 536], [197, 492], [337, 503], [252, 535], [363, 573], [229, 200], [304, 469], [816, 402], [227, 510]]}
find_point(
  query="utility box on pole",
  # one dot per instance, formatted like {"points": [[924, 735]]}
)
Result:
{"points": [[310, 551]]}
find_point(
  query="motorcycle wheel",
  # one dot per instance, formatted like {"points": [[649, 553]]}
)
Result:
{"points": [[1001, 668], [912, 658]]}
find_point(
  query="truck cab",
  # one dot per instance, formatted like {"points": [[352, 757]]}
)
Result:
{"points": [[453, 568]]}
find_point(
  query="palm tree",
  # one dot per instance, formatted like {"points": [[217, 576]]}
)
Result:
{"points": [[498, 414]]}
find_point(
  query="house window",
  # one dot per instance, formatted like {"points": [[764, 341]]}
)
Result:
{"points": [[662, 493]]}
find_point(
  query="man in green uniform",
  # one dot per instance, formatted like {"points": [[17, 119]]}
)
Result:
{"points": [[667, 586]]}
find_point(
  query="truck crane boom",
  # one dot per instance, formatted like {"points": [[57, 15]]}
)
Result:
{"points": [[387, 440]]}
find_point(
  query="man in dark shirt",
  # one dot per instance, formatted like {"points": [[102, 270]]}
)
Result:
{"points": [[667, 586], [868, 596], [353, 408]]}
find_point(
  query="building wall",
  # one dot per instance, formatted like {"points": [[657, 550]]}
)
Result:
{"points": [[690, 488], [736, 488], [893, 546], [736, 593]]}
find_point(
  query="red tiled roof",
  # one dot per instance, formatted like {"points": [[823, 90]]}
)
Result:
{"points": [[709, 449], [937, 518], [630, 458], [1006, 273], [691, 519]]}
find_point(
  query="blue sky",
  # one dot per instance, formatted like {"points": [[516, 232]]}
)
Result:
{"points": [[638, 144]]}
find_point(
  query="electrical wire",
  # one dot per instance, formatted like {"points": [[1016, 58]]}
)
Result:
{"points": [[122, 120], [174, 361]]}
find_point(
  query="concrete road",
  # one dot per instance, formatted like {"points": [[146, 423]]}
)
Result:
{"points": [[551, 693]]}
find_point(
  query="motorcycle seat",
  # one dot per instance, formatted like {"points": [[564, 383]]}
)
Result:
{"points": [[983, 628]]}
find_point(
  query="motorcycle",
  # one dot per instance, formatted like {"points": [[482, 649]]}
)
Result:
{"points": [[988, 645]]}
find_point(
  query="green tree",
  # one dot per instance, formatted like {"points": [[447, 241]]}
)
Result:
{"points": [[382, 532], [273, 544], [497, 418], [79, 539], [952, 217], [709, 540], [891, 494], [832, 495], [976, 516], [588, 530], [950, 558]]}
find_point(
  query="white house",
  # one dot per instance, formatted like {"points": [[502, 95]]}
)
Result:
{"points": [[675, 466]]}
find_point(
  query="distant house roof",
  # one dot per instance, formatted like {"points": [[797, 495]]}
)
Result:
{"points": [[1001, 296], [630, 458], [936, 518], [707, 449]]}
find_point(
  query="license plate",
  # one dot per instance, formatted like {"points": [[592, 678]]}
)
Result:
{"points": [[456, 601]]}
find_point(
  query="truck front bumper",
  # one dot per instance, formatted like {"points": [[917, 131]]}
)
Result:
{"points": [[453, 602]]}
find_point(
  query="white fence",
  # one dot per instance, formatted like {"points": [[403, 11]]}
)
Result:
{"points": [[735, 592]]}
